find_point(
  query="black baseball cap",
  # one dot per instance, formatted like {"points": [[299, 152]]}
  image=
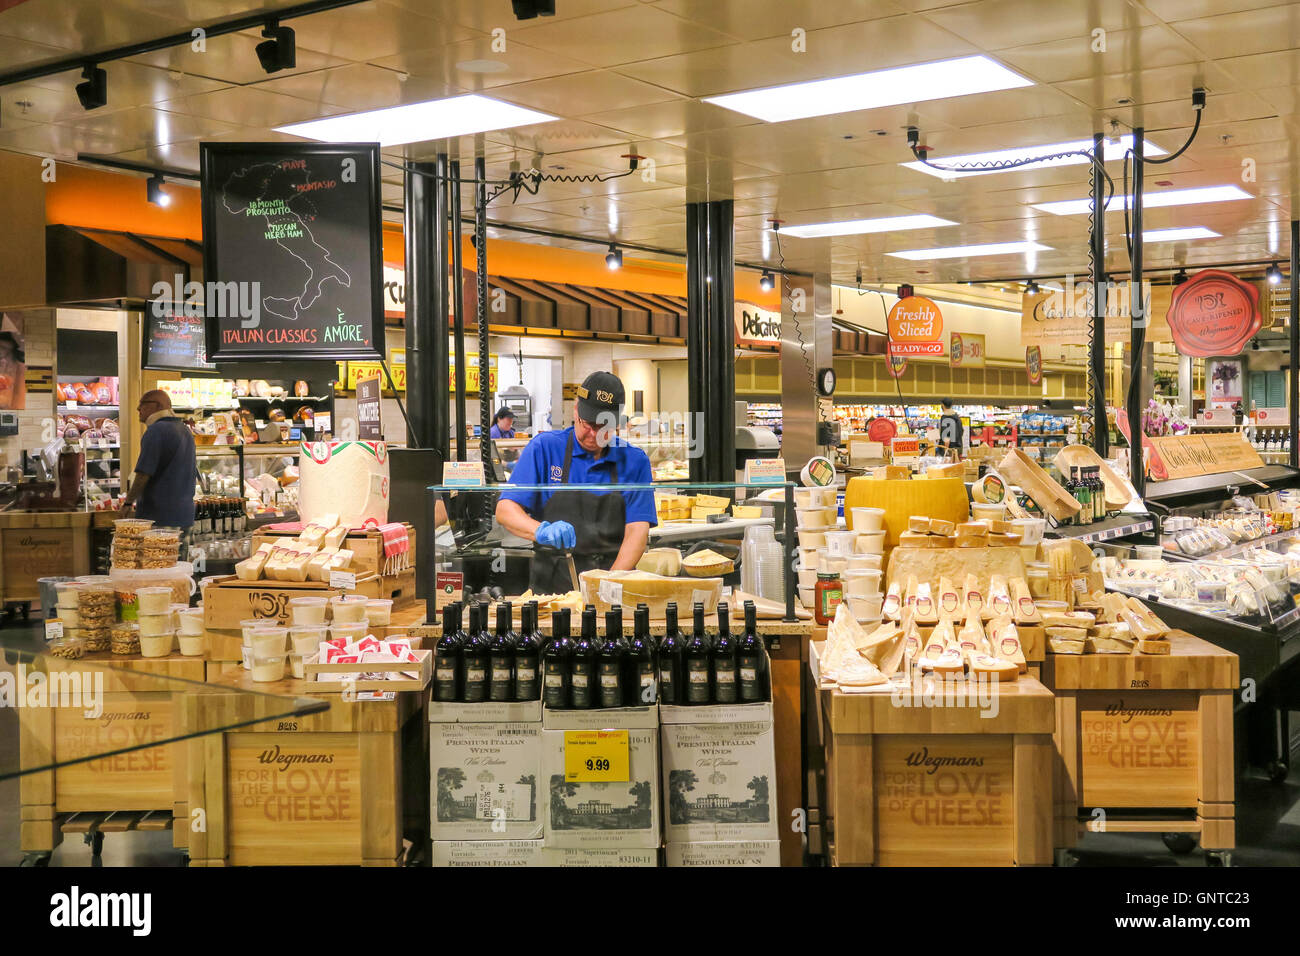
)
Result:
{"points": [[601, 393]]}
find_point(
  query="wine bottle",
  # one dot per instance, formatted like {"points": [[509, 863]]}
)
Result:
{"points": [[582, 667], [724, 659], [445, 685], [751, 660], [609, 661], [1098, 494], [474, 657], [501, 653], [557, 661], [641, 690], [696, 657], [528, 652], [670, 659]]}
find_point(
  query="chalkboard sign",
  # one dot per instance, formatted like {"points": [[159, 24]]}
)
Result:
{"points": [[174, 337], [291, 251]]}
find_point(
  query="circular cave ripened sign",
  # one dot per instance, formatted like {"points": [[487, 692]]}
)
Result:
{"points": [[1213, 313]]}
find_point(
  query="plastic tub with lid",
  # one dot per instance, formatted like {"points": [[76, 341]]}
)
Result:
{"points": [[179, 577]]}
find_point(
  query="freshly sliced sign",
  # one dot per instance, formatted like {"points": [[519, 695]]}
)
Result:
{"points": [[915, 327]]}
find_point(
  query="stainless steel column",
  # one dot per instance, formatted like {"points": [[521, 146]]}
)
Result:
{"points": [[1293, 318], [1137, 325], [458, 298], [1097, 324], [710, 340], [440, 438], [420, 276], [806, 346]]}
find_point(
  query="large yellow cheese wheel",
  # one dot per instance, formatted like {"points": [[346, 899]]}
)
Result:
{"points": [[943, 498]]}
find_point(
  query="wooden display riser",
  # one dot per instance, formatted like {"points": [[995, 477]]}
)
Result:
{"points": [[1148, 739], [36, 545], [320, 789], [913, 783], [148, 779]]}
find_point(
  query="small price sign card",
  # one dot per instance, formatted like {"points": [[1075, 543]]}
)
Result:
{"points": [[596, 756]]}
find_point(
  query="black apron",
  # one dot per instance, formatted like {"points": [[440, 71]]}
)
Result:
{"points": [[598, 520]]}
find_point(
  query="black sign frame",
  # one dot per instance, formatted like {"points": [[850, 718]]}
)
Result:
{"points": [[148, 318], [367, 156]]}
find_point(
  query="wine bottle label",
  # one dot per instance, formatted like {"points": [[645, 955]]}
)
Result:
{"points": [[748, 674], [579, 680], [554, 680], [608, 680], [501, 674], [699, 676], [446, 673], [475, 675], [524, 674], [726, 676]]}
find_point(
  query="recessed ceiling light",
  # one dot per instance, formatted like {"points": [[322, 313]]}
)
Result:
{"points": [[864, 91], [482, 66], [417, 122], [856, 227], [1176, 235], [965, 252], [1174, 197], [1113, 151]]}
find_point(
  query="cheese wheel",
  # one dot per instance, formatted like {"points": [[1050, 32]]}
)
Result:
{"points": [[918, 523], [941, 526]]}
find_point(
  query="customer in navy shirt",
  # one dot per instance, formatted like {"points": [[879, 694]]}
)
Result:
{"points": [[162, 488], [601, 529]]}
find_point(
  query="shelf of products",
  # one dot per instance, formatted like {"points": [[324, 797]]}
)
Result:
{"points": [[223, 411], [764, 415], [88, 413]]}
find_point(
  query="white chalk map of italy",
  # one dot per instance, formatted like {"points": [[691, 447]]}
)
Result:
{"points": [[287, 212]]}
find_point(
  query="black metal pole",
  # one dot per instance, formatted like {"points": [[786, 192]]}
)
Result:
{"points": [[721, 384], [441, 436], [1137, 325], [697, 310], [419, 303], [458, 299], [1294, 329], [1097, 326], [480, 257]]}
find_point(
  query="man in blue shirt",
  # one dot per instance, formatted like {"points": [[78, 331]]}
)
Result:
{"points": [[163, 485], [602, 529], [505, 424]]}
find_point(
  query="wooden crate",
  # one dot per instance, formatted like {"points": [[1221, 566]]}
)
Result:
{"points": [[134, 712], [367, 547], [1146, 738], [320, 789], [325, 678], [913, 784], [36, 545]]}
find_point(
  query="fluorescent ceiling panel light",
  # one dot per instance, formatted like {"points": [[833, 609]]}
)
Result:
{"points": [[417, 122], [1177, 235], [1172, 197], [966, 252], [1113, 150], [857, 227], [865, 91]]}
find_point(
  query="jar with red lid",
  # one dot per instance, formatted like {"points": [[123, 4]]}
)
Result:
{"points": [[827, 597]]}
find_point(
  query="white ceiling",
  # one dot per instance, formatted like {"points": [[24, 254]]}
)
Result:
{"points": [[630, 74]]}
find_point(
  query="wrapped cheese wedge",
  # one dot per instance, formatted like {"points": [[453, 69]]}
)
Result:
{"points": [[840, 647], [1069, 619], [1068, 633], [1152, 647], [1024, 610], [893, 603], [250, 569], [950, 599], [909, 596], [316, 566], [295, 569], [911, 636], [918, 523], [971, 639], [974, 597], [884, 648], [948, 664], [916, 539], [999, 597], [941, 526], [1139, 626], [859, 673], [1006, 642], [1062, 645], [334, 537], [934, 645], [1107, 645], [992, 668], [977, 528], [926, 612]]}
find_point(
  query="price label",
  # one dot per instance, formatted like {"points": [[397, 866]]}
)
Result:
{"points": [[53, 630], [596, 756], [376, 695], [346, 580]]}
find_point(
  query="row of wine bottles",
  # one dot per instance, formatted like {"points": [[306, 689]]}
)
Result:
{"points": [[477, 665]]}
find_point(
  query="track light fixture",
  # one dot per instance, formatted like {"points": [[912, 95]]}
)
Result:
{"points": [[766, 281], [93, 93], [1180, 277], [528, 9], [614, 259], [279, 50], [1031, 287], [1274, 274], [154, 190]]}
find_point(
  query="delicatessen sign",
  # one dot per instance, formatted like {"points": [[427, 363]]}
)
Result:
{"points": [[755, 326]]}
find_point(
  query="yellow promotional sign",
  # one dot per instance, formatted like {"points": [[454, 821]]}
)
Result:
{"points": [[966, 350], [596, 756]]}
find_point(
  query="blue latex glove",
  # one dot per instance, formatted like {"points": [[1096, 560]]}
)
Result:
{"points": [[557, 534]]}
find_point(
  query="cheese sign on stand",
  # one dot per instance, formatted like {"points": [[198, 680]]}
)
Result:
{"points": [[1186, 456], [905, 448], [1271, 416], [462, 474], [915, 327], [369, 426], [450, 585], [344, 580], [596, 756], [765, 471]]}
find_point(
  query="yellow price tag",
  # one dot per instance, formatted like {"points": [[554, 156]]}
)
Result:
{"points": [[596, 756]]}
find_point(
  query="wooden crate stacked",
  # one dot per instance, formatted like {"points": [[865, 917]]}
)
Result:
{"points": [[147, 785], [367, 547], [228, 601], [719, 778], [942, 773], [1148, 739]]}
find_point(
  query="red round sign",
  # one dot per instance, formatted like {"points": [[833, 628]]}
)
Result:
{"points": [[1213, 313], [882, 430]]}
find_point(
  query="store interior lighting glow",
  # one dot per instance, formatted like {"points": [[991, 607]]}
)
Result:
{"points": [[1113, 151], [857, 227], [1155, 200], [1177, 235], [964, 252], [418, 122], [865, 91]]}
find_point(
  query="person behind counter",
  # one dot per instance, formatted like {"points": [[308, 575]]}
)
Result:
{"points": [[504, 427], [162, 487], [952, 434], [603, 529]]}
